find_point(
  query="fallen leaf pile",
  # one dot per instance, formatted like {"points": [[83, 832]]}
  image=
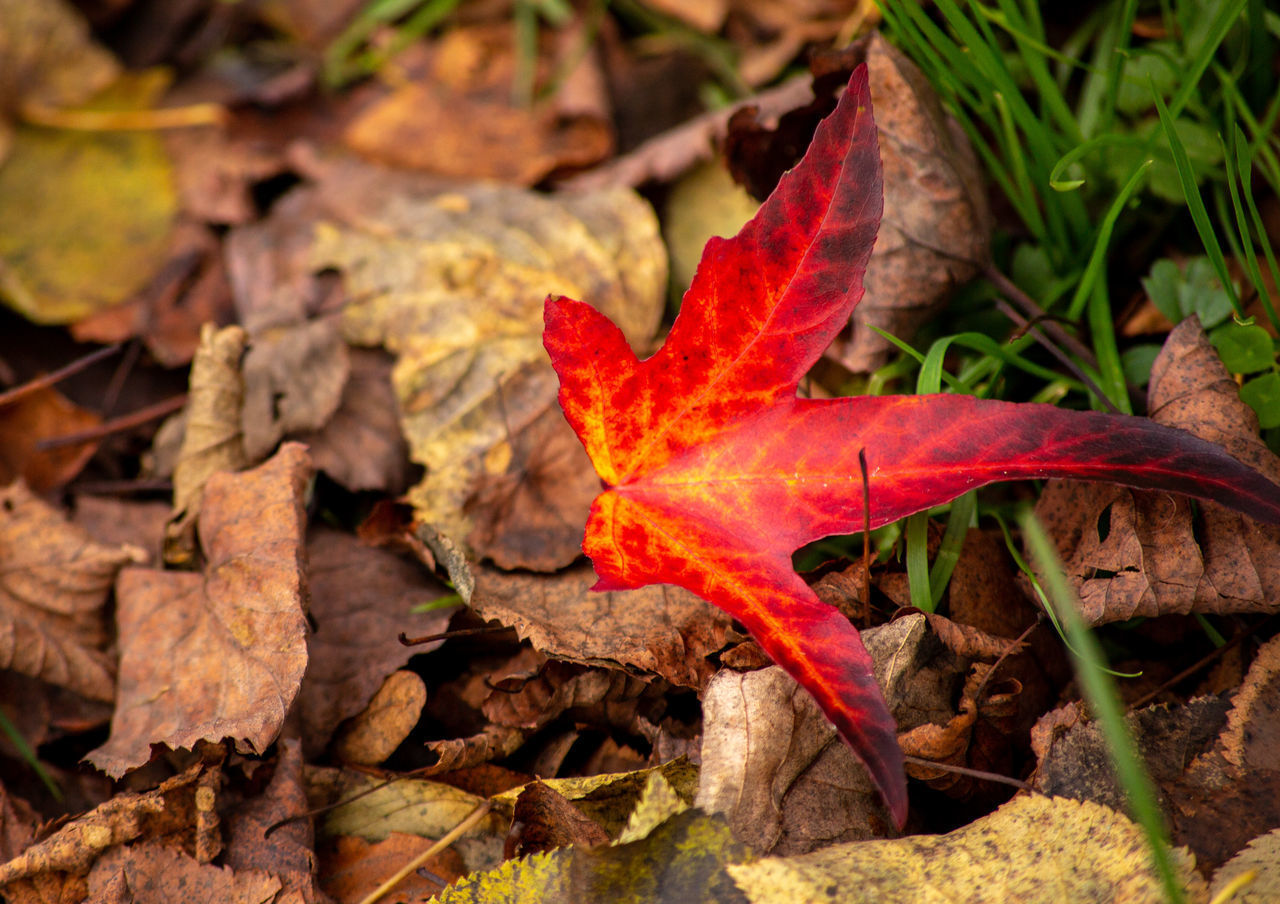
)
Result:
{"points": [[294, 605]]}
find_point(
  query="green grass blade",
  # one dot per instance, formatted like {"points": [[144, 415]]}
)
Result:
{"points": [[1105, 704], [1195, 202], [918, 561], [963, 509], [1095, 269]]}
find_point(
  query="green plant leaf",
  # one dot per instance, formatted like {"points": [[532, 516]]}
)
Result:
{"points": [[1262, 394], [1243, 349]]}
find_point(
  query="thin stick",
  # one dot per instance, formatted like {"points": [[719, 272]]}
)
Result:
{"points": [[446, 635], [1010, 290], [453, 835], [118, 425], [1196, 666], [971, 773], [58, 375]]}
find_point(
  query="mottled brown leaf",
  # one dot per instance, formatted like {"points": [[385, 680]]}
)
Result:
{"points": [[40, 415], [151, 873], [1139, 553], [220, 653], [54, 581], [660, 629], [361, 600], [376, 731]]}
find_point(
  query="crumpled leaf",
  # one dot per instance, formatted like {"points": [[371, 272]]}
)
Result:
{"points": [[361, 599], [1033, 849], [661, 629], [287, 853], [1133, 553], [151, 871], [446, 280], [85, 217], [351, 868], [544, 820], [1218, 774], [772, 764], [76, 845], [218, 654], [54, 581], [211, 438]]}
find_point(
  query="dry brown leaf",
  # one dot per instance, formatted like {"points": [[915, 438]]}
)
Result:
{"points": [[382, 726], [109, 519], [286, 853], [659, 629], [361, 447], [453, 283], [544, 819], [1034, 850], [457, 117], [219, 654], [1261, 857], [351, 868], [77, 844], [532, 499], [54, 581], [151, 873], [773, 764], [1132, 553], [40, 415], [211, 439], [361, 599]]}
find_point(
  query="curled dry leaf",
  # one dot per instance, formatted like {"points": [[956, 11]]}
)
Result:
{"points": [[378, 729], [1134, 553], [544, 819], [54, 581], [1049, 850], [660, 629], [211, 439], [452, 283], [361, 599], [218, 654], [77, 844]]}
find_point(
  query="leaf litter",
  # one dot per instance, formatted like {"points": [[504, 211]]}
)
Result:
{"points": [[259, 672]]}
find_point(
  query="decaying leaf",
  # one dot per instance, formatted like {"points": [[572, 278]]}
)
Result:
{"points": [[448, 280], [773, 765], [1261, 858], [1033, 849], [664, 630], [151, 871], [75, 846], [54, 581], [85, 217], [220, 653], [544, 820], [1139, 553], [351, 868], [361, 600]]}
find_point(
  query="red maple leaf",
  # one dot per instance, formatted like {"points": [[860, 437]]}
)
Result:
{"points": [[714, 472]]}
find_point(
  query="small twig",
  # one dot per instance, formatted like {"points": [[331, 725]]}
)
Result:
{"points": [[116, 385], [123, 120], [449, 838], [1010, 290], [117, 425], [1197, 665], [58, 375], [971, 773], [446, 635]]}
